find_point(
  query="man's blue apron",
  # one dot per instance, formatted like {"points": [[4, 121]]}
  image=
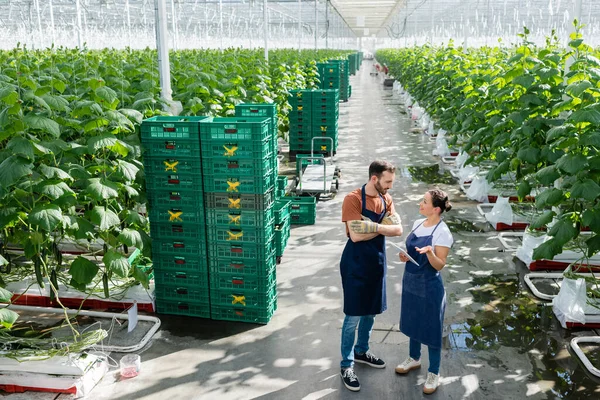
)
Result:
{"points": [[423, 295], [363, 270]]}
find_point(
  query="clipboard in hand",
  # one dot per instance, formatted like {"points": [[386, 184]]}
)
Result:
{"points": [[402, 251]]}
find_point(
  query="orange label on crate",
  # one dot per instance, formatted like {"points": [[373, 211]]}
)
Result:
{"points": [[238, 299], [234, 219], [174, 216], [235, 203], [233, 186], [230, 152], [171, 166], [234, 235]]}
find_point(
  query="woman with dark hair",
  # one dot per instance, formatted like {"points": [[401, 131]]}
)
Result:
{"points": [[423, 294]]}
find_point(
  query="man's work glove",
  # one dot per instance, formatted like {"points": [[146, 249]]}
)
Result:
{"points": [[391, 219], [363, 226]]}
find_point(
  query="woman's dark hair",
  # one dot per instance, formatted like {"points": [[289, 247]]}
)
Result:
{"points": [[439, 198], [379, 166]]}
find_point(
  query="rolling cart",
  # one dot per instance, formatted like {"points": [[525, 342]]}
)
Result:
{"points": [[320, 177]]}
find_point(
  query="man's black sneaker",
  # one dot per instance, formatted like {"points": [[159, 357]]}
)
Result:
{"points": [[369, 359], [350, 379]]}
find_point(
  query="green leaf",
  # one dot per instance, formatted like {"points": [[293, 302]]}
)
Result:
{"points": [[547, 176], [134, 218], [104, 218], [572, 163], [530, 155], [591, 219], [524, 80], [57, 103], [8, 317], [106, 94], [131, 237], [48, 217], [577, 88], [8, 95], [96, 123], [547, 250], [83, 271], [5, 295], [105, 140], [128, 170], [147, 249], [102, 189], [43, 124], [54, 172], [543, 219], [585, 115], [82, 228], [593, 244], [141, 276], [55, 189], [549, 197], [530, 99], [586, 189], [524, 189], [116, 263], [563, 231], [590, 139], [22, 146], [558, 132], [12, 169], [59, 85], [133, 115], [120, 148]]}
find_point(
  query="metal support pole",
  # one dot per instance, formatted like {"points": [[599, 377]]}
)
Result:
{"points": [[327, 24], [39, 22], [52, 22], [266, 28], [162, 46], [221, 24], [128, 23], [299, 25], [174, 24], [316, 24], [79, 38]]}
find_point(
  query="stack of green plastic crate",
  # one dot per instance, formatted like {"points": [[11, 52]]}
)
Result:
{"points": [[176, 212], [352, 62], [314, 113], [360, 59], [303, 210], [263, 110], [344, 78], [330, 75], [239, 187]]}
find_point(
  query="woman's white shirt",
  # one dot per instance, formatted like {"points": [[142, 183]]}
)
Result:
{"points": [[441, 237]]}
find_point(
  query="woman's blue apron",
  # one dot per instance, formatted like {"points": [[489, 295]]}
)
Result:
{"points": [[423, 295], [363, 270]]}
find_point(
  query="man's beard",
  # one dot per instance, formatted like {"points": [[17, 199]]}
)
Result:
{"points": [[380, 189]]}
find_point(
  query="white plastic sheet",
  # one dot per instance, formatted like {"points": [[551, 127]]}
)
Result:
{"points": [[416, 112], [431, 129], [461, 158], [479, 189], [501, 212], [570, 303], [466, 174], [441, 148], [530, 243]]}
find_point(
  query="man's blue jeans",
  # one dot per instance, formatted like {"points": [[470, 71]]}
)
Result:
{"points": [[349, 335]]}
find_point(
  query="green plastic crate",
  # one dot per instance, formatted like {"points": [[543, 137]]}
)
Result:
{"points": [[303, 210], [238, 167], [248, 267], [282, 182], [257, 184], [233, 201], [242, 251], [179, 262], [155, 166], [258, 284], [236, 149], [173, 182], [191, 309], [181, 277], [239, 218], [235, 235], [244, 314], [282, 234], [236, 129], [171, 127], [171, 148], [256, 110], [176, 215], [177, 231], [328, 96], [184, 247], [282, 210], [182, 292], [166, 198], [243, 297]]}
